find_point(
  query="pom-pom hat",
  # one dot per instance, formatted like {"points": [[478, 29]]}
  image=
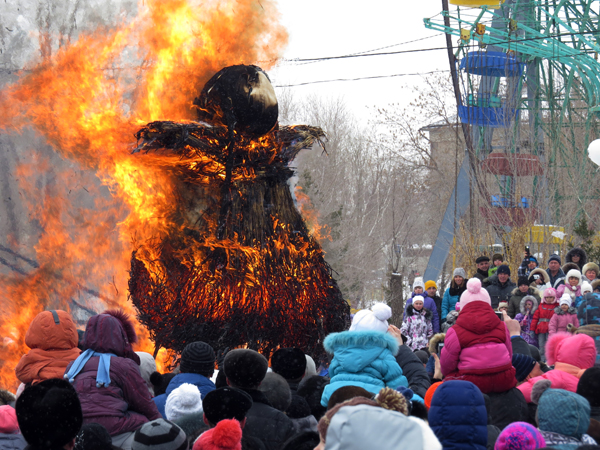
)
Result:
{"points": [[183, 401], [474, 293], [226, 435], [374, 319], [550, 292], [520, 436]]}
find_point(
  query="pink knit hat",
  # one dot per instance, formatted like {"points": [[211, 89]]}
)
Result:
{"points": [[550, 292], [474, 293]]}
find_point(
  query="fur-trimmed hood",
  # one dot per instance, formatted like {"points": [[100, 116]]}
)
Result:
{"points": [[111, 332], [524, 300], [339, 343], [582, 256], [569, 266], [435, 340], [410, 311], [540, 272]]}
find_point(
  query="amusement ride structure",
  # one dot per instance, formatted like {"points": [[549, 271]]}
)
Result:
{"points": [[527, 83]]}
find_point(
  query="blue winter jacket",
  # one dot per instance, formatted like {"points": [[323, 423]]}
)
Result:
{"points": [[449, 303], [362, 358], [428, 303], [203, 384], [458, 416]]}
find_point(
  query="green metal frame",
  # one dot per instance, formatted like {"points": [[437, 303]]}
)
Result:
{"points": [[561, 38]]}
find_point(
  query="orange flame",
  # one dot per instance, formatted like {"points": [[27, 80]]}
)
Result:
{"points": [[87, 100], [311, 215]]}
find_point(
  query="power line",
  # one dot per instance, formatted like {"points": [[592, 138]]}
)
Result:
{"points": [[510, 41], [360, 78]]}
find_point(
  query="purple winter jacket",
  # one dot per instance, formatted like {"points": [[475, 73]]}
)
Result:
{"points": [[125, 405]]}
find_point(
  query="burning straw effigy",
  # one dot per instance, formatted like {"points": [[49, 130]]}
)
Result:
{"points": [[242, 268]]}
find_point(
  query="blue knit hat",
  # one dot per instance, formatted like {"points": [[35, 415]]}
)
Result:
{"points": [[523, 365], [563, 412]]}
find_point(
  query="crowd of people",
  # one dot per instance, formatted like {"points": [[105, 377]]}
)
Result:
{"points": [[491, 364]]}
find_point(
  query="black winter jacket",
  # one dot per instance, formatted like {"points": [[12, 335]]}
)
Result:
{"points": [[498, 292], [413, 370], [507, 407], [266, 423]]}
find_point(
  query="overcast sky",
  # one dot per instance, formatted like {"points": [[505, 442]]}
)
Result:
{"points": [[324, 28]]}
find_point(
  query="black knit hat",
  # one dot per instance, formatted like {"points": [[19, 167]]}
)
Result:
{"points": [[226, 403], [554, 258], [589, 386], [93, 436], [198, 357], [245, 368], [49, 413], [160, 434], [290, 363], [523, 281], [503, 269], [523, 365]]}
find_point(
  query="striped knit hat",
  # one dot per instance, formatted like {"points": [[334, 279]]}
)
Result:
{"points": [[198, 357]]}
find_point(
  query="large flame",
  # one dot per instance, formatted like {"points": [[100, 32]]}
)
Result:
{"points": [[87, 101]]}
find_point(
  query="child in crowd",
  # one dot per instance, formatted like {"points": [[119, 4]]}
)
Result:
{"points": [[429, 303], [528, 308], [541, 319], [364, 355], [572, 286], [497, 260], [417, 324], [458, 285], [503, 307], [431, 290], [478, 347], [564, 315]]}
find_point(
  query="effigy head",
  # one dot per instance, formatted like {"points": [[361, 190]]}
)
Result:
{"points": [[240, 97]]}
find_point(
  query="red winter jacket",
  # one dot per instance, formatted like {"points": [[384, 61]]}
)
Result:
{"points": [[542, 316]]}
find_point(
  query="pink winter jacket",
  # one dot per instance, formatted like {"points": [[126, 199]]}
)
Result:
{"points": [[561, 319], [487, 353], [571, 355]]}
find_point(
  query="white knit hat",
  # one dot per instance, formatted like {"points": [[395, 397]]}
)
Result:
{"points": [[183, 401], [418, 298], [374, 319], [586, 287], [565, 300], [573, 273], [418, 283]]}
